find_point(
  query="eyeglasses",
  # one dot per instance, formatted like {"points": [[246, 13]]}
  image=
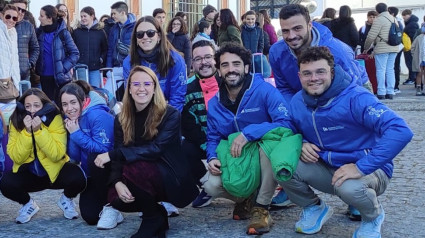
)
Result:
{"points": [[149, 33], [22, 10], [144, 84], [7, 17], [309, 74], [176, 24], [207, 58]]}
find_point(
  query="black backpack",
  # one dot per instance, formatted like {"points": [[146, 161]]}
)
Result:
{"points": [[394, 35]]}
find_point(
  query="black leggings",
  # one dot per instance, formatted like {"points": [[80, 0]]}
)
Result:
{"points": [[16, 186], [94, 197]]}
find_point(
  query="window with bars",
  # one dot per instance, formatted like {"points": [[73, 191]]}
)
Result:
{"points": [[273, 6], [192, 8]]}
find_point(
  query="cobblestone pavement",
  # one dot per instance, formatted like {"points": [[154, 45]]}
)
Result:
{"points": [[404, 202]]}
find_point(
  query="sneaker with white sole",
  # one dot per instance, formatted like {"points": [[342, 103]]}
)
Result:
{"points": [[202, 200], [27, 211], [172, 211], [68, 207], [313, 217], [109, 218], [370, 229], [281, 200]]}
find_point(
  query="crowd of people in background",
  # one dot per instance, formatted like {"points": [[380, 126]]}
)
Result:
{"points": [[190, 97]]}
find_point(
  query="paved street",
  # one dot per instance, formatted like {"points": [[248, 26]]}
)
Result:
{"points": [[404, 202]]}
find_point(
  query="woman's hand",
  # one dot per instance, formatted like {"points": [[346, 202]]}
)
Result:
{"points": [[123, 192], [102, 159], [36, 124], [28, 123], [71, 125]]}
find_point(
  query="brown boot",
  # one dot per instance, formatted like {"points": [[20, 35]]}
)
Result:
{"points": [[260, 222], [242, 210]]}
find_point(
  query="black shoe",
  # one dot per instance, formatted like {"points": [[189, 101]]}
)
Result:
{"points": [[389, 96], [381, 97], [409, 82], [153, 226]]}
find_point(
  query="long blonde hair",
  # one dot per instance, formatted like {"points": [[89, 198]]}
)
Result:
{"points": [[157, 108]]}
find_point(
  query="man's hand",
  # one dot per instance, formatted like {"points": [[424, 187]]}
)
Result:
{"points": [[238, 143], [347, 171], [309, 153], [214, 167], [102, 159], [124, 193]]}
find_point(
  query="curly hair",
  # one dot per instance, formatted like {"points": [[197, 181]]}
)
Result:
{"points": [[236, 49]]}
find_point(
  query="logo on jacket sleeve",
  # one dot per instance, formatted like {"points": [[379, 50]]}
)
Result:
{"points": [[182, 78], [282, 108], [375, 112], [105, 139]]}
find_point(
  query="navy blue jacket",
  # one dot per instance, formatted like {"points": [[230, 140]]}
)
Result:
{"points": [[65, 54], [182, 43], [253, 39], [119, 33], [351, 127], [27, 47]]}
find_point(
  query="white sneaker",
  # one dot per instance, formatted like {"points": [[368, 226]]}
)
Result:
{"points": [[109, 218], [68, 207], [27, 211], [171, 209]]}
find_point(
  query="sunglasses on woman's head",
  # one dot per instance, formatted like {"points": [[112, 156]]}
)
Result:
{"points": [[7, 17], [149, 33]]}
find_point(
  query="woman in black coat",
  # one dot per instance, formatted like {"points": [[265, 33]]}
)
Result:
{"points": [[147, 165], [91, 40], [177, 35], [344, 28]]}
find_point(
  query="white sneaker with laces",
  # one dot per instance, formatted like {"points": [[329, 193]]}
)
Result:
{"points": [[109, 218], [68, 207], [171, 209], [27, 211]]}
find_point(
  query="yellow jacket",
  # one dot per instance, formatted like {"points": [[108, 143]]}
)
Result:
{"points": [[50, 144]]}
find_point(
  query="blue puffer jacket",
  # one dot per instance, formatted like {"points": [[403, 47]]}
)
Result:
{"points": [[173, 85], [65, 53], [261, 109], [253, 39], [96, 133], [285, 67], [27, 47], [353, 127], [119, 33]]}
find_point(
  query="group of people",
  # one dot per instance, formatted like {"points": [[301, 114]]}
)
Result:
{"points": [[319, 128]]}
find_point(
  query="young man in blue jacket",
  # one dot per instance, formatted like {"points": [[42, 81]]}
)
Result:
{"points": [[299, 32], [350, 141], [246, 104]]}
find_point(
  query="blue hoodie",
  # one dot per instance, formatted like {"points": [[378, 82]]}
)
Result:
{"points": [[350, 125], [119, 33], [96, 133], [285, 67]]}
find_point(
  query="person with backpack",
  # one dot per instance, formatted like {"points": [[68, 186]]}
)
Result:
{"points": [[384, 50], [394, 11]]}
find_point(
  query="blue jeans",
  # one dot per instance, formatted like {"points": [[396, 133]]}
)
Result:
{"points": [[385, 72]]}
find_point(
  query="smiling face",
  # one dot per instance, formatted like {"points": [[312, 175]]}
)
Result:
{"points": [[71, 106], [86, 19], [33, 104], [13, 18], [142, 88], [250, 20], [232, 70], [206, 67], [147, 44], [315, 77], [296, 32], [21, 10]]}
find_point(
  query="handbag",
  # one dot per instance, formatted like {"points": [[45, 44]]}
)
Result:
{"points": [[8, 90]]}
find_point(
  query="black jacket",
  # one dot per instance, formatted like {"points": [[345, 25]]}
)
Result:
{"points": [[346, 31], [182, 44], [92, 44], [411, 26], [28, 47], [364, 30], [165, 149]]}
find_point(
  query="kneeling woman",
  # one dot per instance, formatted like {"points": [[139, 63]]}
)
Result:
{"points": [[91, 132], [37, 147], [147, 165]]}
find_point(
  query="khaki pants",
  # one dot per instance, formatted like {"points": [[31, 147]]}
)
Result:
{"points": [[214, 187]]}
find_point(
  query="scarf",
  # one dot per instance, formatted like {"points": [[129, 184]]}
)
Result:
{"points": [[50, 28], [152, 57]]}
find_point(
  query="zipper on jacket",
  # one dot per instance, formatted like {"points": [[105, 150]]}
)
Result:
{"points": [[315, 127], [330, 157]]}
